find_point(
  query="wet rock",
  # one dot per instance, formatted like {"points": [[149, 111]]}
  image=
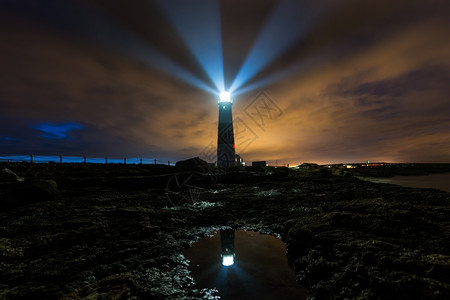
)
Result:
{"points": [[8, 176]]}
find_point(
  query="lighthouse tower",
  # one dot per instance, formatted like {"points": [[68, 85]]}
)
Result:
{"points": [[225, 141]]}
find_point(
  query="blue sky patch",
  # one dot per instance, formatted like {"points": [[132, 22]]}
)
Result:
{"points": [[56, 131]]}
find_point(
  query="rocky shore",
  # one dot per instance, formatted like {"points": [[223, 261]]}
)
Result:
{"points": [[92, 231]]}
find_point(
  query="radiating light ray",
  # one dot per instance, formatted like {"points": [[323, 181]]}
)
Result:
{"points": [[296, 69], [90, 24], [154, 58], [290, 20], [293, 70], [199, 24]]}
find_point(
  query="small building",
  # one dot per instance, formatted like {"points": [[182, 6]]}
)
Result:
{"points": [[238, 160], [262, 163]]}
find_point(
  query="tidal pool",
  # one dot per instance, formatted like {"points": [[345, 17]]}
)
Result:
{"points": [[244, 265]]}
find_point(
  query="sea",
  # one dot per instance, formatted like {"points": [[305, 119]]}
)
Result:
{"points": [[439, 181]]}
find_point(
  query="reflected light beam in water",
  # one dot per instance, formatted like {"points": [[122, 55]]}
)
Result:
{"points": [[227, 260], [199, 24], [260, 269], [288, 22]]}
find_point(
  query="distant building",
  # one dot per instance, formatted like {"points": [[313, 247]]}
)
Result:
{"points": [[309, 166], [262, 163], [238, 160]]}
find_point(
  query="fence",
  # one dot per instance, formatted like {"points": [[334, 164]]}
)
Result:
{"points": [[81, 159]]}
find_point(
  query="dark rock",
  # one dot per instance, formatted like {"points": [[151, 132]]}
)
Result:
{"points": [[27, 192], [195, 164], [37, 189]]}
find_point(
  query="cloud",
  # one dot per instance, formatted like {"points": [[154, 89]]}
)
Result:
{"points": [[56, 131], [369, 81]]}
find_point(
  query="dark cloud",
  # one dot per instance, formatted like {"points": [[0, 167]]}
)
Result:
{"points": [[368, 80], [426, 79]]}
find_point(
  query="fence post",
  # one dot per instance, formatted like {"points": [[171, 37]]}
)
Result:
{"points": [[168, 163], [60, 159], [141, 160], [124, 160], [155, 161], [31, 158], [84, 159], [106, 160]]}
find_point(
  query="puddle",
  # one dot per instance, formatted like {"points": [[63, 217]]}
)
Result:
{"points": [[243, 265]]}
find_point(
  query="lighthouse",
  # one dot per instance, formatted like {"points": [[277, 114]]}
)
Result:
{"points": [[225, 139]]}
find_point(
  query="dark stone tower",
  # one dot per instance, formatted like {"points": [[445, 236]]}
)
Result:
{"points": [[225, 141]]}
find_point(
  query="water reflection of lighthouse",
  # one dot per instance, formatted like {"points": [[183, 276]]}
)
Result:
{"points": [[227, 243]]}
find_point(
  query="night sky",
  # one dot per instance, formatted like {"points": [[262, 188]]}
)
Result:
{"points": [[311, 81]]}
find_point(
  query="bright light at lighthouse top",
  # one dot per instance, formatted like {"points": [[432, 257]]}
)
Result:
{"points": [[225, 97]]}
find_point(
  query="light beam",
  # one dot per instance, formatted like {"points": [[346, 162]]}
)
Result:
{"points": [[289, 21], [84, 21], [199, 24]]}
